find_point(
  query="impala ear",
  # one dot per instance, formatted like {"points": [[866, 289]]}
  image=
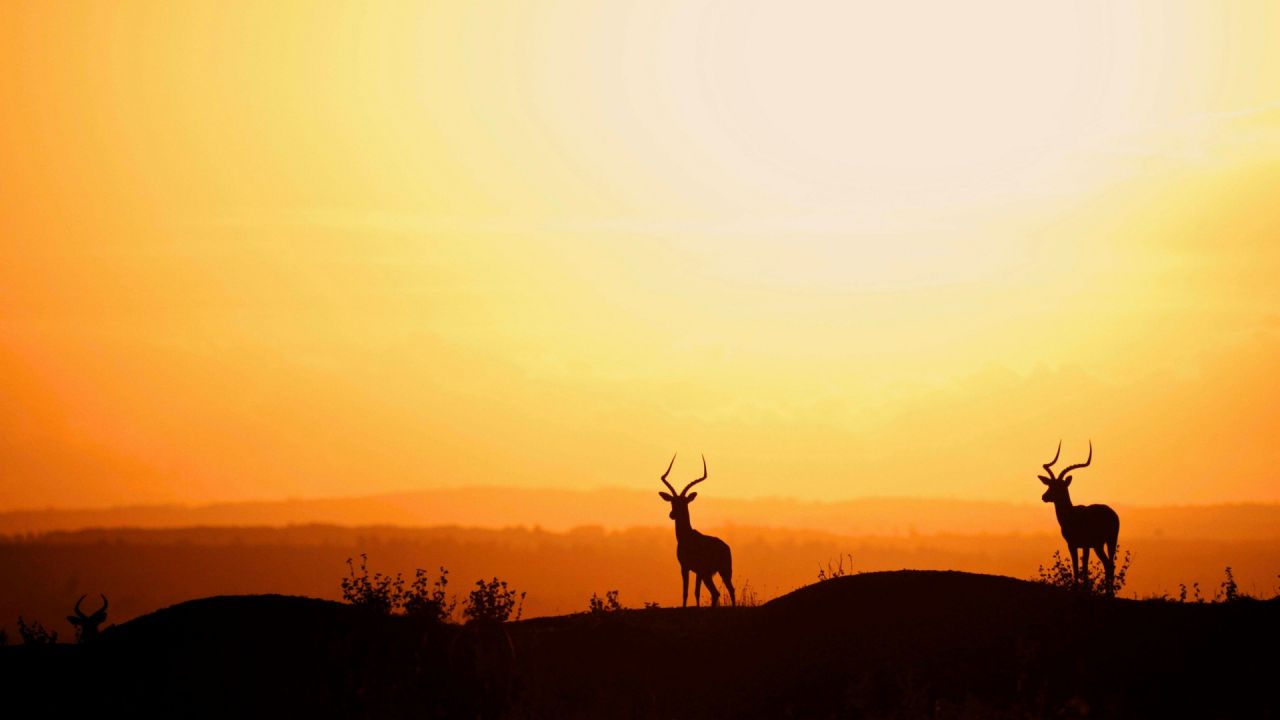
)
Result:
{"points": [[1066, 481], [1044, 479], [664, 496], [74, 620], [691, 496]]}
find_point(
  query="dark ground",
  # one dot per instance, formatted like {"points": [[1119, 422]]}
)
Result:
{"points": [[901, 644]]}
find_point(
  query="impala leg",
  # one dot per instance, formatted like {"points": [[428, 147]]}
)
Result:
{"points": [[1108, 558], [710, 582], [728, 585], [1075, 564], [697, 590], [1084, 567], [684, 594]]}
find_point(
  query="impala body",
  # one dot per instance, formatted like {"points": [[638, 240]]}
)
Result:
{"points": [[703, 555], [1088, 527]]}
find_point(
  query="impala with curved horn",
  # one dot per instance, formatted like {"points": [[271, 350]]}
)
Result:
{"points": [[87, 625], [704, 555], [1091, 527]]}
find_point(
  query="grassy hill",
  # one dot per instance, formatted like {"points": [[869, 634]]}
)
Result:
{"points": [[892, 644]]}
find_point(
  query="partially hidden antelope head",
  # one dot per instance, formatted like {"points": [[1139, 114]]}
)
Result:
{"points": [[704, 555], [87, 625], [1091, 527]]}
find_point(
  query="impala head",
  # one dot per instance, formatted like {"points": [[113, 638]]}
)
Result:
{"points": [[87, 625], [680, 500], [1057, 483]]}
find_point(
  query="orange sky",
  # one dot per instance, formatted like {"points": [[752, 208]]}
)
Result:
{"points": [[300, 249]]}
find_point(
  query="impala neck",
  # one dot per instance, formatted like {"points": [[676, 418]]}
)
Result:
{"points": [[683, 527], [1062, 508]]}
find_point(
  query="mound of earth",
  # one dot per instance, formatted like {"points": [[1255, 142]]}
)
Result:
{"points": [[894, 644]]}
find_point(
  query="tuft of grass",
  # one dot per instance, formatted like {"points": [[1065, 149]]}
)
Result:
{"points": [[35, 633], [836, 569], [609, 603], [747, 595], [1228, 589], [1193, 596]]}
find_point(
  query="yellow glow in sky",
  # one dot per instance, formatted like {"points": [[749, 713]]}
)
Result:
{"points": [[845, 249]]}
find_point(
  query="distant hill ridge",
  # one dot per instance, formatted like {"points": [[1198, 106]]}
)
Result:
{"points": [[614, 508]]}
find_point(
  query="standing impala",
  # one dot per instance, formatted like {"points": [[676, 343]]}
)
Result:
{"points": [[1092, 527], [703, 554]]}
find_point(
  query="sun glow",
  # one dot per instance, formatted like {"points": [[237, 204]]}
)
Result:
{"points": [[267, 250]]}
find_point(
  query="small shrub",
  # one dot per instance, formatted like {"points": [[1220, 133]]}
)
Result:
{"points": [[609, 603], [1193, 596], [1228, 590], [747, 596], [492, 603], [652, 605], [35, 634], [380, 593], [387, 594], [1121, 574], [837, 569], [1060, 574], [427, 601]]}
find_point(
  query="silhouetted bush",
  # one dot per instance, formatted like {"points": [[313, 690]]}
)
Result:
{"points": [[1195, 595], [1060, 574], [427, 601], [492, 603], [837, 569], [35, 634], [1228, 590], [379, 593], [387, 594], [609, 603], [4, 637], [651, 605]]}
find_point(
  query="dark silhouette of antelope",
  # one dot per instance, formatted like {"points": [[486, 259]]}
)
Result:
{"points": [[1091, 527], [87, 625], [703, 554]]}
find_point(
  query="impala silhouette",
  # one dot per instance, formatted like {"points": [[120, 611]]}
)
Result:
{"points": [[701, 554], [87, 625], [1091, 527]]}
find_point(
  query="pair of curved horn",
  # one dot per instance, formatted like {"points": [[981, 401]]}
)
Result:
{"points": [[686, 487], [101, 612], [1048, 467]]}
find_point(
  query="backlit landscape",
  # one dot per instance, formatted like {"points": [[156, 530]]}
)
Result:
{"points": [[447, 285]]}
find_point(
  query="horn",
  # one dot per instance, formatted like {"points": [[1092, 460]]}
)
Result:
{"points": [[102, 610], [668, 472], [1084, 464], [78, 611], [695, 482], [1049, 465]]}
